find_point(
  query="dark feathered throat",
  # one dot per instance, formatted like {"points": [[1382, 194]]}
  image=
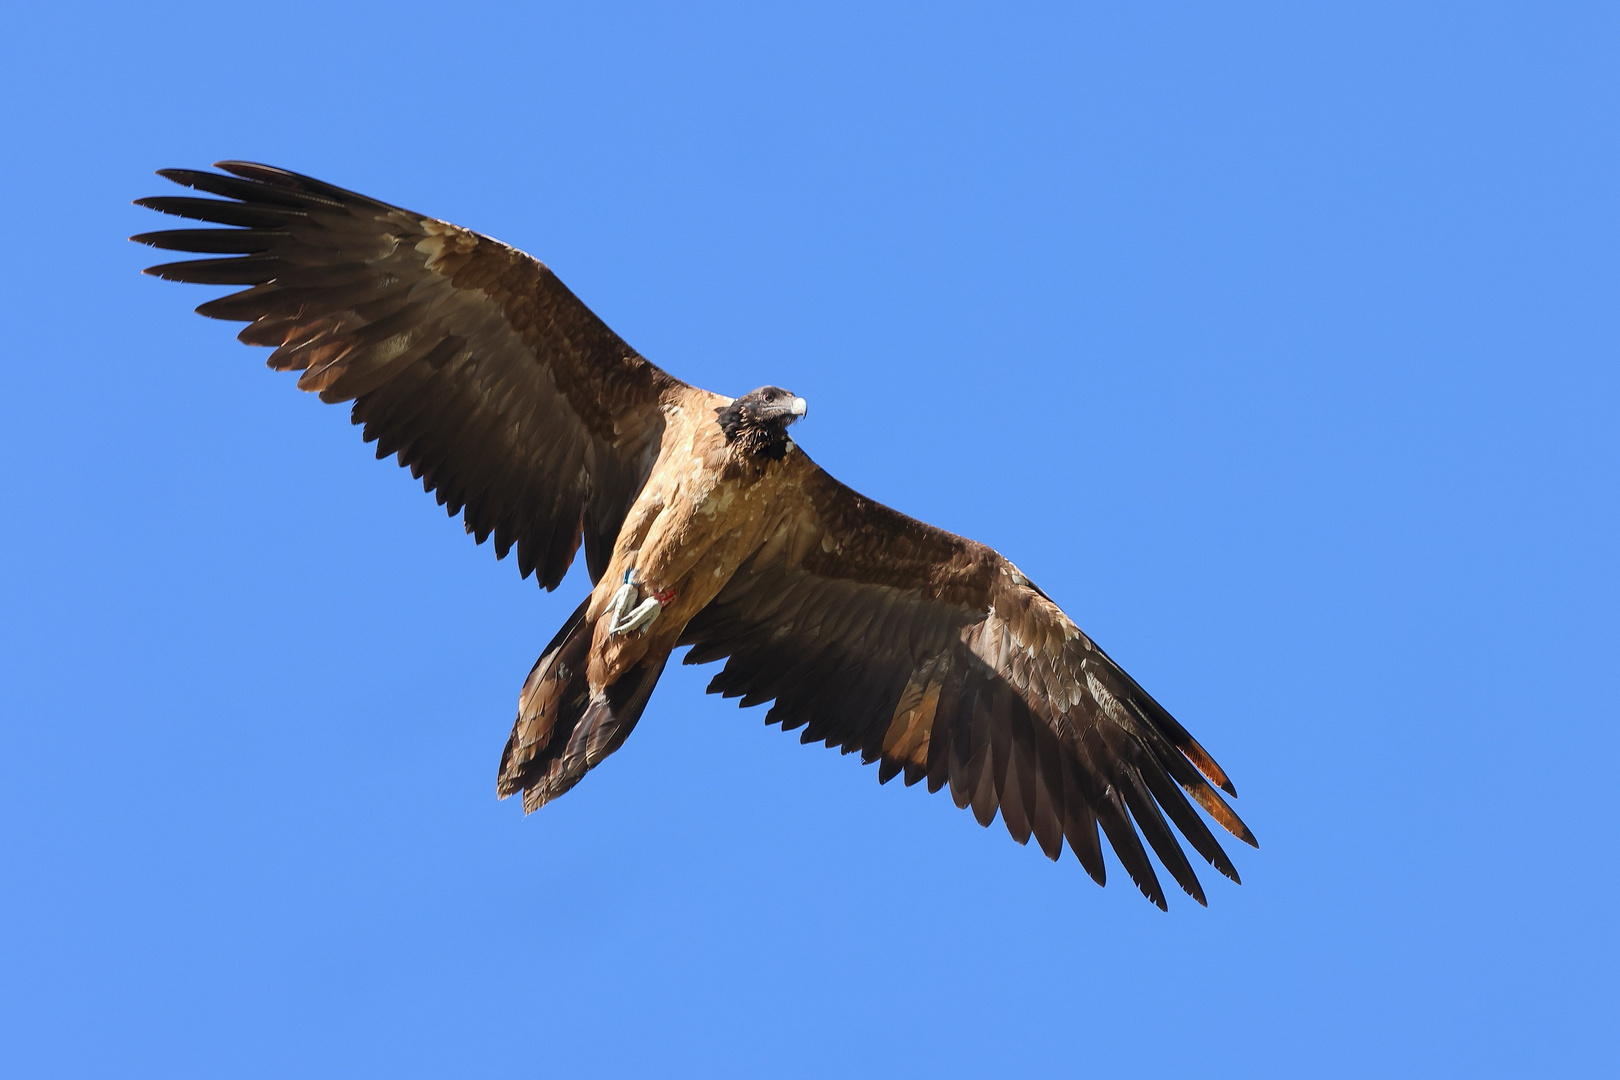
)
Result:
{"points": [[750, 435]]}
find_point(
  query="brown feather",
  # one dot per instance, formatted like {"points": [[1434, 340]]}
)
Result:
{"points": [[867, 630], [335, 276], [1031, 719]]}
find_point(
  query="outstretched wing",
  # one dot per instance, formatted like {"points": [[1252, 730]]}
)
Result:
{"points": [[934, 656], [468, 359]]}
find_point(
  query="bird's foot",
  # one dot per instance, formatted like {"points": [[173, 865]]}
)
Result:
{"points": [[639, 616], [626, 615], [622, 602]]}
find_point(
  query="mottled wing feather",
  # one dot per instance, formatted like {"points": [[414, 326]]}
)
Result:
{"points": [[466, 358], [933, 656]]}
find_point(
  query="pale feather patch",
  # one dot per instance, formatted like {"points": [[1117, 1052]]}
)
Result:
{"points": [[1106, 701]]}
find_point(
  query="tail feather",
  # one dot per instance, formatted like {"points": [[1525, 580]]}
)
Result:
{"points": [[556, 684], [562, 730]]}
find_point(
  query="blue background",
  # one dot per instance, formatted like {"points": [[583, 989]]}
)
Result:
{"points": [[1276, 341]]}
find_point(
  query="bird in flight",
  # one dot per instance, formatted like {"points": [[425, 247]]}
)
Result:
{"points": [[703, 524]]}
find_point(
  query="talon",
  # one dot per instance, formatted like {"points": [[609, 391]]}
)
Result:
{"points": [[625, 615], [644, 613], [622, 602]]}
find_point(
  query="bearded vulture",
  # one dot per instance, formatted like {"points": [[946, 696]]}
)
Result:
{"points": [[704, 525]]}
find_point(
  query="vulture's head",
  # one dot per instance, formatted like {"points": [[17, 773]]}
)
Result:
{"points": [[758, 421]]}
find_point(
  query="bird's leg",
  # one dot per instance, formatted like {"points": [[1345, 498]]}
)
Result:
{"points": [[642, 614], [622, 602], [624, 617]]}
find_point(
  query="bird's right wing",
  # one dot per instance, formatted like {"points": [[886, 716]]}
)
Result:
{"points": [[935, 656], [468, 359]]}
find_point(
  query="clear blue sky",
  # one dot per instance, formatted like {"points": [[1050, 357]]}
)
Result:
{"points": [[1276, 341]]}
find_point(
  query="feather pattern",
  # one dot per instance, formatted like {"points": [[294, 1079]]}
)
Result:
{"points": [[1026, 716], [930, 655], [464, 358]]}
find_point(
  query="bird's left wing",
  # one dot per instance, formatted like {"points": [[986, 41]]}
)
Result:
{"points": [[471, 361], [936, 657]]}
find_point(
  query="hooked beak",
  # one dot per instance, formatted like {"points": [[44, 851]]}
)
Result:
{"points": [[798, 409]]}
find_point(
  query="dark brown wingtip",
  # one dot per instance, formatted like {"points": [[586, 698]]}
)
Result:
{"points": [[295, 183], [182, 177], [1095, 873], [264, 174], [1146, 882]]}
